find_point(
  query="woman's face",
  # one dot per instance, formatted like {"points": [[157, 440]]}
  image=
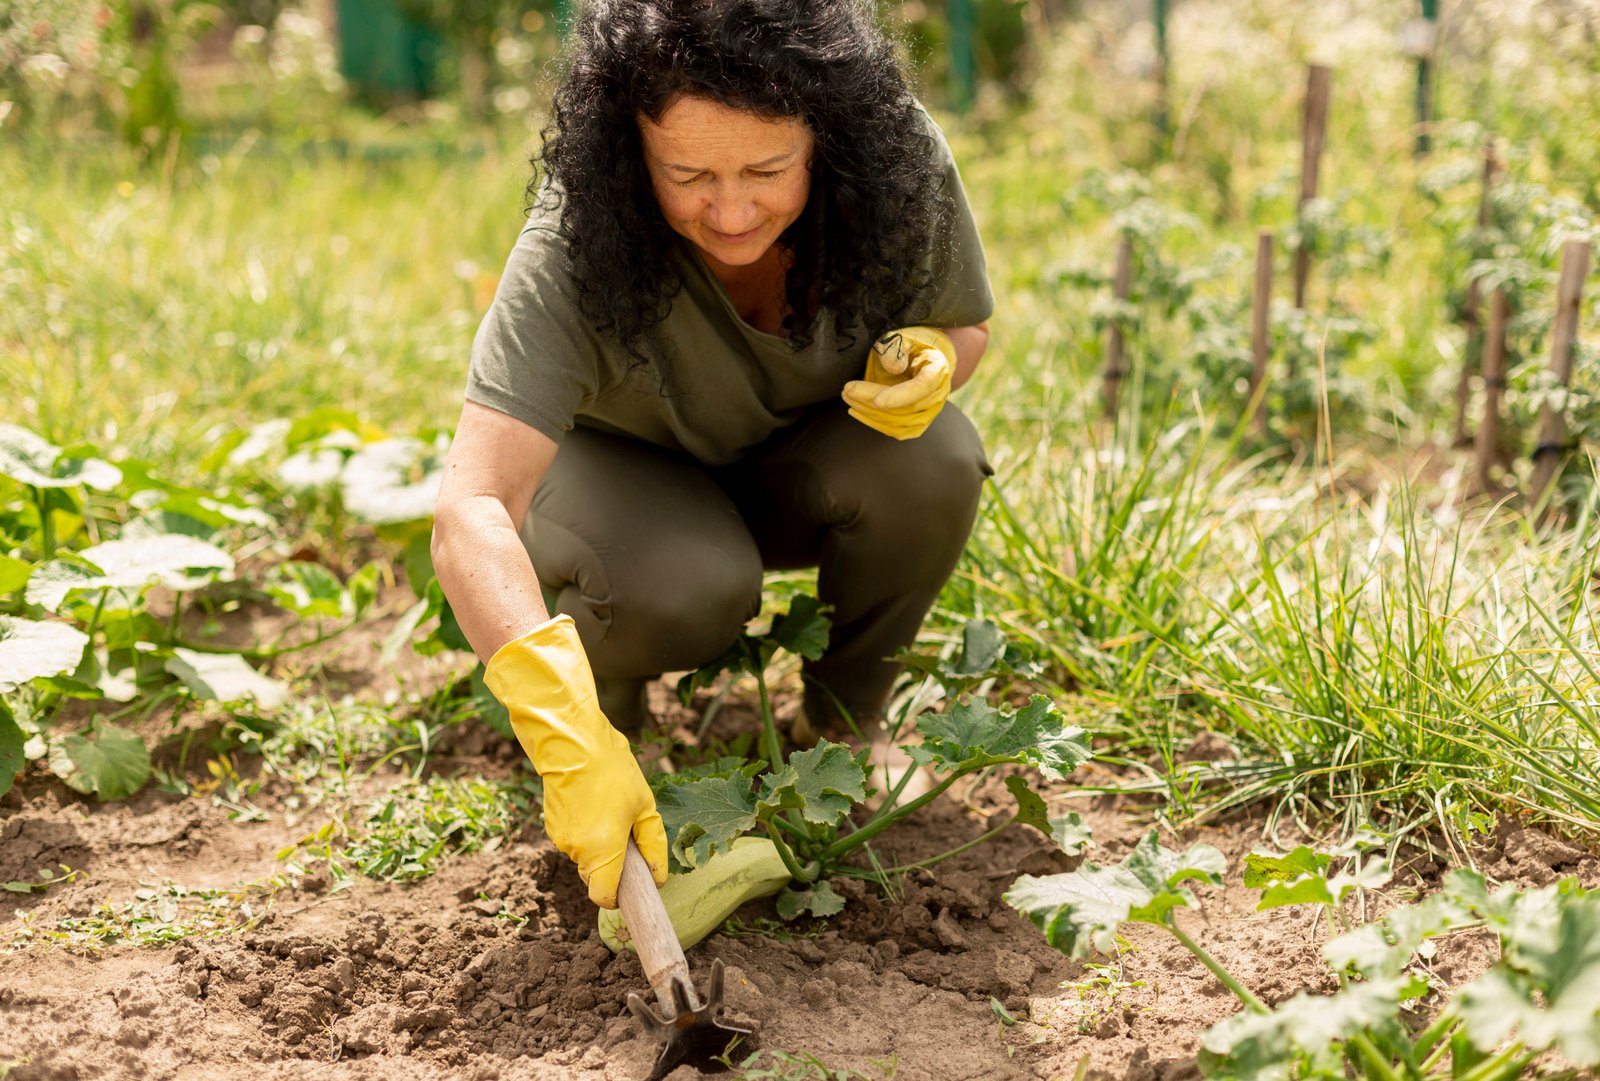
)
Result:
{"points": [[728, 181]]}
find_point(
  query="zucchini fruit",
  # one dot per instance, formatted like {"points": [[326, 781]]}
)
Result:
{"points": [[698, 901]]}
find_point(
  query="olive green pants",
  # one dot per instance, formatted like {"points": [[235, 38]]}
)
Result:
{"points": [[658, 559]]}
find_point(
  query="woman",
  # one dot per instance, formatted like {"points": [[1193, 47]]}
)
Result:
{"points": [[748, 281]]}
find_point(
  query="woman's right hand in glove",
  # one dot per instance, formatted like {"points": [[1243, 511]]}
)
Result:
{"points": [[595, 795]]}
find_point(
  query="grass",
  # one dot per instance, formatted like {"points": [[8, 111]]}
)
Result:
{"points": [[1374, 650]]}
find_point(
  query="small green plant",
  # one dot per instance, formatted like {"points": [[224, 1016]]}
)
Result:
{"points": [[803, 1066], [803, 801], [156, 915], [1541, 989]]}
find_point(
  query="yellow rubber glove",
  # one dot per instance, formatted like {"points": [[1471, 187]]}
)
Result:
{"points": [[906, 382], [595, 795]]}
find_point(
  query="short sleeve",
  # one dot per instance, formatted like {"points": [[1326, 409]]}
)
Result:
{"points": [[962, 295], [535, 356]]}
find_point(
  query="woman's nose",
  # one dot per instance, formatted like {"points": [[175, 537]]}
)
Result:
{"points": [[732, 212]]}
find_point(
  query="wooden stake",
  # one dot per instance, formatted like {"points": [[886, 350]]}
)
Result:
{"points": [[1260, 335], [1319, 82], [1494, 386], [1122, 287], [1549, 452], [1470, 317]]}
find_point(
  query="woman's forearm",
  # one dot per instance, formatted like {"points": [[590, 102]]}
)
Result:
{"points": [[486, 574], [971, 343]]}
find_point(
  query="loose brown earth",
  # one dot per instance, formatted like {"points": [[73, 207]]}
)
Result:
{"points": [[432, 980]]}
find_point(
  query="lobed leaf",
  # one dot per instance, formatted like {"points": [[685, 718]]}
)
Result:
{"points": [[1081, 910], [38, 463], [225, 677], [818, 900], [111, 763], [1069, 833], [1546, 986], [822, 783], [171, 560], [803, 629], [1262, 1045], [703, 817], [971, 735], [33, 650]]}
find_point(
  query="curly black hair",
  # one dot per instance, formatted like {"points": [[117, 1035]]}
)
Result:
{"points": [[859, 248]]}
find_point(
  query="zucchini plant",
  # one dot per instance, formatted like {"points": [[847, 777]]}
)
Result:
{"points": [[85, 544], [801, 805], [1387, 1022]]}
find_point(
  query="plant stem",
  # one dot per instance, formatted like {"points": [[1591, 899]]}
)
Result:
{"points": [[878, 825], [974, 843], [769, 727], [789, 861], [1240, 990], [1433, 1042], [1377, 1066], [47, 528], [1495, 1069]]}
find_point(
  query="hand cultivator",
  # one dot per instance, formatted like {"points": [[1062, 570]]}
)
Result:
{"points": [[688, 1025]]}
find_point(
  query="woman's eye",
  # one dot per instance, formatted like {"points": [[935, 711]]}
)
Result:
{"points": [[766, 175], [691, 180]]}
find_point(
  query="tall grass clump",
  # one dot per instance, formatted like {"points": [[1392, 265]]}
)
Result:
{"points": [[1372, 657]]}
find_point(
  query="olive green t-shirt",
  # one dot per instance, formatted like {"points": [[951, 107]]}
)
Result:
{"points": [[537, 358]]}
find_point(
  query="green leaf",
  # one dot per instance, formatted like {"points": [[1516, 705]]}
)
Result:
{"points": [[823, 783], [1069, 833], [971, 735], [803, 629], [1546, 985], [36, 462], [982, 645], [307, 589], [12, 758], [1261, 1045], [392, 480], [13, 574], [225, 677], [1082, 910], [31, 650], [111, 763], [703, 817], [170, 560], [817, 900], [1263, 869], [1031, 809], [1000, 1012]]}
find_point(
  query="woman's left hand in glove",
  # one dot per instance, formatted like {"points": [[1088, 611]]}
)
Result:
{"points": [[906, 382]]}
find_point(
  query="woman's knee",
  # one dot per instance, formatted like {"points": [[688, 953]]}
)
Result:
{"points": [[937, 476]]}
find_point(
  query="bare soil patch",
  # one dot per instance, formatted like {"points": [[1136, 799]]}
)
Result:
{"points": [[492, 968]]}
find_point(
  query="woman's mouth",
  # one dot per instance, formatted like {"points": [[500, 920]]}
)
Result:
{"points": [[734, 238]]}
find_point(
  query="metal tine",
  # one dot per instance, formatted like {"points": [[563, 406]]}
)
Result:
{"points": [[684, 998], [714, 990], [647, 1016]]}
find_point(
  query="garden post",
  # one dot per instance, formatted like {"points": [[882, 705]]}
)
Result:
{"points": [[1494, 386], [1319, 82], [1549, 452]]}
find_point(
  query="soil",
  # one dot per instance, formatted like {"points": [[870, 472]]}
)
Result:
{"points": [[492, 967]]}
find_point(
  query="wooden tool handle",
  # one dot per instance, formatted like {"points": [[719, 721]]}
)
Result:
{"points": [[650, 931]]}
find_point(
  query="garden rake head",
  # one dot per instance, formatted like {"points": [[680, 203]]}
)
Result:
{"points": [[689, 1029]]}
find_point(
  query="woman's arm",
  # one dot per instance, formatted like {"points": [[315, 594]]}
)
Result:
{"points": [[494, 466], [971, 343]]}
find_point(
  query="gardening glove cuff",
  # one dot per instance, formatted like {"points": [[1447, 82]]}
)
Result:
{"points": [[595, 795], [906, 382]]}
